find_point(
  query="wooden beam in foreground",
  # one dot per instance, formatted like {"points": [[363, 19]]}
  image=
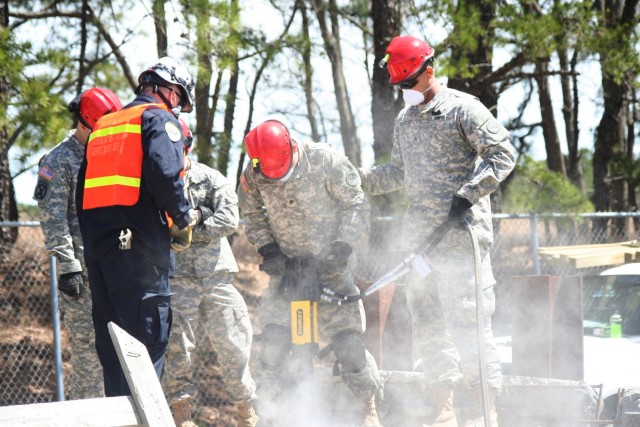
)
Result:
{"points": [[102, 412], [141, 377]]}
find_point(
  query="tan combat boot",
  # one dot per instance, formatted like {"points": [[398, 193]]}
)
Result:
{"points": [[477, 417], [369, 414], [246, 415], [181, 411], [442, 414]]}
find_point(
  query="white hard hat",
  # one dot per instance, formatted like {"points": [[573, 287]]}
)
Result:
{"points": [[169, 71]]}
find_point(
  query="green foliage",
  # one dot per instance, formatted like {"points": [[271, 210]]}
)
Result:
{"points": [[10, 66], [536, 189], [586, 162], [42, 114], [32, 115], [536, 29], [43, 73], [228, 34], [621, 61], [628, 167]]}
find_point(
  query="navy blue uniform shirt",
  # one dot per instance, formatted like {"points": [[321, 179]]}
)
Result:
{"points": [[161, 189]]}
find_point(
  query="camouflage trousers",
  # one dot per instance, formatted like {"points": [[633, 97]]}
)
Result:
{"points": [[85, 378], [215, 304], [443, 309]]}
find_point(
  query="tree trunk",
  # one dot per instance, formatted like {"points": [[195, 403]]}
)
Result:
{"points": [[8, 205], [631, 140], [555, 158], [83, 46], [331, 38], [610, 133], [160, 24], [235, 41], [224, 143], [570, 100], [247, 128], [570, 114], [385, 102], [204, 112], [619, 19], [385, 105], [308, 73]]}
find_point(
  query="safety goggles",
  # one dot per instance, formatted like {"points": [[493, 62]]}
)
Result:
{"points": [[408, 83]]}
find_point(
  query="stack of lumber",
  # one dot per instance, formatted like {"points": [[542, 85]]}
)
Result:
{"points": [[587, 256]]}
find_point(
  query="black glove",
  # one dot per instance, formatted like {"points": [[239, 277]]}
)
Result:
{"points": [[338, 262], [273, 260], [71, 284], [205, 213], [459, 206]]}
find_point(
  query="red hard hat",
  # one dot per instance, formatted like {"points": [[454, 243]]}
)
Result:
{"points": [[94, 103], [270, 149], [405, 56], [187, 141]]}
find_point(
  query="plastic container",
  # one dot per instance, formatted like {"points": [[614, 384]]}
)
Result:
{"points": [[615, 321]]}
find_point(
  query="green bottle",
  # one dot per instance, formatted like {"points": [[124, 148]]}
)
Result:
{"points": [[616, 325]]}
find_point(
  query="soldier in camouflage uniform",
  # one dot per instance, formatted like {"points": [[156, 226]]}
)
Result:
{"points": [[449, 154], [55, 194], [303, 202], [204, 294]]}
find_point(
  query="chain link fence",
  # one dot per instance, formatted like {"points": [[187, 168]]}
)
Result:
{"points": [[28, 358]]}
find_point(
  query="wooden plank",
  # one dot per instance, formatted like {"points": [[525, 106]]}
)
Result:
{"points": [[595, 245], [595, 251], [597, 255], [598, 259], [144, 384], [103, 412], [601, 252], [582, 251]]}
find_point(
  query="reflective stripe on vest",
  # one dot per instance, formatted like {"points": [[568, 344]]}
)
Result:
{"points": [[114, 159]]}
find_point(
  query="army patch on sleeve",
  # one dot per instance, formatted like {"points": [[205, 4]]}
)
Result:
{"points": [[244, 183], [42, 189], [173, 132], [46, 173], [353, 179]]}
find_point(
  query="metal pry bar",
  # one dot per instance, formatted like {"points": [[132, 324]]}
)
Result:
{"points": [[333, 297]]}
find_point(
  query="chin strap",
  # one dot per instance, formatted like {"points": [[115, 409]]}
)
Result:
{"points": [[164, 98]]}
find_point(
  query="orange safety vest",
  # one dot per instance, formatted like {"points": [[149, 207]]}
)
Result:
{"points": [[114, 159]]}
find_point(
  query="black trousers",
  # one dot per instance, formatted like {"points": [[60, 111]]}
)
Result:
{"points": [[134, 294]]}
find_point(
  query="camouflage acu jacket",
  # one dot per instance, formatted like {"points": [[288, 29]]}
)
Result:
{"points": [[320, 203], [55, 194], [452, 145], [210, 252]]}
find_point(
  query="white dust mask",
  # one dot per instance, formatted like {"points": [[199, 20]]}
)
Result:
{"points": [[414, 97]]}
